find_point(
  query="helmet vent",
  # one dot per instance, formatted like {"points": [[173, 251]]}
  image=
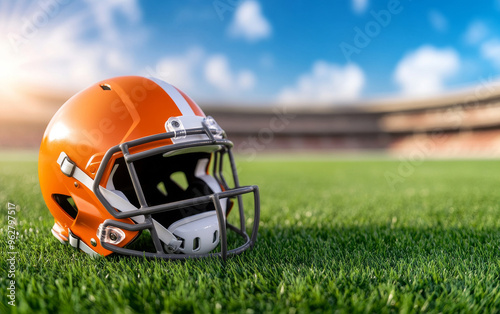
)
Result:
{"points": [[105, 87], [67, 204], [196, 244]]}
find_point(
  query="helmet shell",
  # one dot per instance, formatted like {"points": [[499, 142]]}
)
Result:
{"points": [[104, 115]]}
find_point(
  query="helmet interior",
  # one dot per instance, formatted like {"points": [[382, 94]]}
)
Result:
{"points": [[165, 180]]}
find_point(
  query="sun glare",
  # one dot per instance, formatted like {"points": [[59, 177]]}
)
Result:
{"points": [[59, 131], [9, 71], [27, 53], [12, 57]]}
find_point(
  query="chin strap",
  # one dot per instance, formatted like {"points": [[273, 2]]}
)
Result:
{"points": [[172, 244], [70, 169]]}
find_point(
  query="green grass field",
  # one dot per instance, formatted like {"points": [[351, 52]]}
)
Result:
{"points": [[334, 236]]}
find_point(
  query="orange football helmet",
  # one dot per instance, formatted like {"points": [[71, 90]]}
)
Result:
{"points": [[130, 154]]}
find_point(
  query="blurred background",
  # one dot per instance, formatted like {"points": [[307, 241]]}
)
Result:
{"points": [[417, 78]]}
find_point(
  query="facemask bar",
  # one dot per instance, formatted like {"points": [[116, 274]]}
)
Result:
{"points": [[219, 176], [220, 140]]}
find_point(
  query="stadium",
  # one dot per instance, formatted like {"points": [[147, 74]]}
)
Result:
{"points": [[461, 124], [455, 124]]}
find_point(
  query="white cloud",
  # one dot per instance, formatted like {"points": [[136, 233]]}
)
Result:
{"points": [[219, 74], [190, 71], [249, 22], [325, 83], [60, 47], [359, 6], [76, 49], [476, 32], [438, 21], [245, 80], [490, 50], [180, 70], [106, 11], [424, 71]]}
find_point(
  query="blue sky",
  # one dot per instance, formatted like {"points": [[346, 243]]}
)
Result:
{"points": [[255, 52]]}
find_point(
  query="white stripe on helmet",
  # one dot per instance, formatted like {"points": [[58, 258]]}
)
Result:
{"points": [[179, 100]]}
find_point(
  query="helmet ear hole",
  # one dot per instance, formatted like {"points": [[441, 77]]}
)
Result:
{"points": [[67, 204]]}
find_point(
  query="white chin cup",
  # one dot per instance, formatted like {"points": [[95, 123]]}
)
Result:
{"points": [[200, 233]]}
